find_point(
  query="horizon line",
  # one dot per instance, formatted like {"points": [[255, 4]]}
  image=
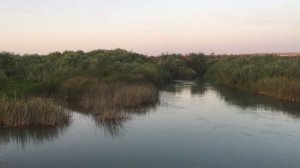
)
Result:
{"points": [[288, 53]]}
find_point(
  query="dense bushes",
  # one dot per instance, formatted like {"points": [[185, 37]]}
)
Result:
{"points": [[182, 67], [99, 81], [33, 74], [114, 80], [269, 75], [45, 73]]}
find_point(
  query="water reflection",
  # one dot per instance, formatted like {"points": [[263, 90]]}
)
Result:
{"points": [[115, 126], [111, 127], [36, 135], [197, 88], [247, 100], [236, 97], [202, 125]]}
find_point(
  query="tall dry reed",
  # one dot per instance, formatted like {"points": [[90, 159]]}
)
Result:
{"points": [[31, 111], [109, 99]]}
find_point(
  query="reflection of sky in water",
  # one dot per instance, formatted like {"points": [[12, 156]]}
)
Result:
{"points": [[194, 126]]}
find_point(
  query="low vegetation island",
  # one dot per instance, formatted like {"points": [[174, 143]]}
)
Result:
{"points": [[39, 89]]}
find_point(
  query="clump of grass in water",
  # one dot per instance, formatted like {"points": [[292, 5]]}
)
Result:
{"points": [[109, 100], [31, 111], [105, 97]]}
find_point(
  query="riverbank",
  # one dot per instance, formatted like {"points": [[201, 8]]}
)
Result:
{"points": [[100, 82], [107, 82], [273, 76], [195, 123]]}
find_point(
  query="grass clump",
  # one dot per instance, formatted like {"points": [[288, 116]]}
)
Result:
{"points": [[31, 111], [106, 98]]}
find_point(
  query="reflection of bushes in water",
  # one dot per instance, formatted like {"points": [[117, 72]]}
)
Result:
{"points": [[237, 97], [36, 135], [246, 100], [196, 88], [112, 122], [141, 110], [199, 88], [113, 125]]}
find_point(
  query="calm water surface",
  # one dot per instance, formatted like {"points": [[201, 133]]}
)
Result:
{"points": [[195, 125]]}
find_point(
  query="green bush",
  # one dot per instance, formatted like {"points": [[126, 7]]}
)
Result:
{"points": [[261, 74]]}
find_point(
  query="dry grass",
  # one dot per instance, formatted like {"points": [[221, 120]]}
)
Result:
{"points": [[273, 76], [280, 88], [109, 99], [31, 111]]}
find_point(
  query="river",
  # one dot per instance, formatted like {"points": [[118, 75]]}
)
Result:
{"points": [[194, 125]]}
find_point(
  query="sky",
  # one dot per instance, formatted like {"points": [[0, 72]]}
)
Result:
{"points": [[150, 26]]}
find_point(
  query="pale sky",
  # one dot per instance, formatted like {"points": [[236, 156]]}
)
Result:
{"points": [[150, 26]]}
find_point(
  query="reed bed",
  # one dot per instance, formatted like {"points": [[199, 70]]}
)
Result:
{"points": [[273, 76], [118, 96], [31, 111], [109, 99], [280, 88]]}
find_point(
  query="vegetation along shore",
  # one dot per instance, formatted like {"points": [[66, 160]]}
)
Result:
{"points": [[38, 89]]}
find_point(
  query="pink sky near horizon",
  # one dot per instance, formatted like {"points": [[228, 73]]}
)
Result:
{"points": [[150, 27]]}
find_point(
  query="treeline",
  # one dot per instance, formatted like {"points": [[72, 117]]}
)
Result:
{"points": [[22, 75], [45, 74], [104, 83]]}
